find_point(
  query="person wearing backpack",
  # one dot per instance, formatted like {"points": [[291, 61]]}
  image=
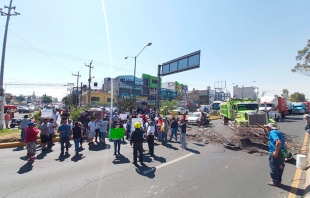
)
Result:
{"points": [[150, 131], [276, 158]]}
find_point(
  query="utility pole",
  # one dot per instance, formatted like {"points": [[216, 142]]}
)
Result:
{"points": [[89, 79], [8, 14], [81, 93], [77, 87]]}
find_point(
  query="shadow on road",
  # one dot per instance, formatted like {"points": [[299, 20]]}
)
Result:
{"points": [[145, 171], [77, 157], [99, 148], [159, 159], [20, 148], [25, 168], [62, 158], [299, 191], [171, 147], [120, 159], [44, 153], [293, 118], [193, 151], [198, 144]]}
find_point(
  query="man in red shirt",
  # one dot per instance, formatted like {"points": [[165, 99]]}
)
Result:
{"points": [[31, 140]]}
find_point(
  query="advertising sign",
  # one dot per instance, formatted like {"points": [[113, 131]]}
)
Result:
{"points": [[117, 133], [184, 63], [127, 82], [46, 113], [141, 98]]}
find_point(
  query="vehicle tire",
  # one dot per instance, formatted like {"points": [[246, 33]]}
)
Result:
{"points": [[12, 125]]}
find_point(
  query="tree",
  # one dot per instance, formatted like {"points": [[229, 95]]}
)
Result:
{"points": [[303, 56], [167, 106], [70, 99], [297, 97], [285, 94], [126, 103], [46, 99]]}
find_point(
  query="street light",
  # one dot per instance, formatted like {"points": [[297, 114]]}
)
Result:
{"points": [[243, 86], [134, 75]]}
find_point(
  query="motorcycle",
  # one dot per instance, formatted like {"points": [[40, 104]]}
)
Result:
{"points": [[14, 122]]}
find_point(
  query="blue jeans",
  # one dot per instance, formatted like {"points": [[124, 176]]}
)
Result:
{"points": [[164, 136], [276, 168], [22, 134], [174, 131], [76, 143], [117, 143], [159, 136], [63, 141]]}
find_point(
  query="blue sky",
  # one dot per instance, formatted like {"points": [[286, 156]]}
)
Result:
{"points": [[240, 41]]}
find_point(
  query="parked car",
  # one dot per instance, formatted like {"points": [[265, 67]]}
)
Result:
{"points": [[181, 110], [23, 109], [194, 118]]}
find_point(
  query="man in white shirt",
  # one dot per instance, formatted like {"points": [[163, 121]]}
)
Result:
{"points": [[92, 129], [54, 116], [103, 128], [150, 130]]}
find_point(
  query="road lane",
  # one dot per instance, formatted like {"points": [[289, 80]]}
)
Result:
{"points": [[211, 171]]}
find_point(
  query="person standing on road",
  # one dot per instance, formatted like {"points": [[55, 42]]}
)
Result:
{"points": [[117, 142], [114, 120], [51, 130], [159, 123], [97, 129], [137, 140], [65, 131], [174, 129], [91, 131], [164, 131], [182, 125], [31, 141], [276, 160], [7, 119], [103, 129], [54, 115], [77, 135], [23, 125], [150, 130], [128, 129], [44, 134]]}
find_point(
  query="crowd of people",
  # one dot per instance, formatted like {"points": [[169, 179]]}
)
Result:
{"points": [[94, 128]]}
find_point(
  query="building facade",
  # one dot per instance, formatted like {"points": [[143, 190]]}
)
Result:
{"points": [[98, 97]]}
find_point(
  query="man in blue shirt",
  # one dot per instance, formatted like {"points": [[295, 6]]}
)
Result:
{"points": [[276, 160], [65, 132]]}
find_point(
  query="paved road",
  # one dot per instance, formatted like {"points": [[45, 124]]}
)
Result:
{"points": [[200, 171]]}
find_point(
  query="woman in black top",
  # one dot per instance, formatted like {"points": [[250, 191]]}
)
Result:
{"points": [[77, 134]]}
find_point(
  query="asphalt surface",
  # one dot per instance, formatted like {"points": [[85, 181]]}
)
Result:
{"points": [[200, 171]]}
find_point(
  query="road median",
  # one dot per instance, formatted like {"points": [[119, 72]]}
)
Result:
{"points": [[18, 144]]}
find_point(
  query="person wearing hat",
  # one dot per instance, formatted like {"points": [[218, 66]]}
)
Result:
{"points": [[182, 125], [31, 140], [23, 125], [137, 140], [276, 160]]}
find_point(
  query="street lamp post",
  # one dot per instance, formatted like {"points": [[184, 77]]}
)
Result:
{"points": [[243, 86], [134, 75]]}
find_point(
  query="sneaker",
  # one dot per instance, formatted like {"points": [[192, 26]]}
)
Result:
{"points": [[33, 157], [130, 146], [31, 160]]}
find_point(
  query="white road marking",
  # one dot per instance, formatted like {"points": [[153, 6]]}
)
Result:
{"points": [[168, 163]]}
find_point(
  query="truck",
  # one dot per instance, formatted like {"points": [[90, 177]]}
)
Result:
{"points": [[298, 108], [244, 112], [288, 106], [275, 106], [307, 106]]}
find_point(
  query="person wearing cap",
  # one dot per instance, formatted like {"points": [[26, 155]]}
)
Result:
{"points": [[137, 140], [31, 141], [182, 125], [150, 130], [23, 125], [276, 160]]}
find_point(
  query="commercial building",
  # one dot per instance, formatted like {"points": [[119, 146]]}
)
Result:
{"points": [[207, 96], [149, 90], [98, 97]]}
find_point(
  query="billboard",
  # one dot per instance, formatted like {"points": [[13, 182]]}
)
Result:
{"points": [[244, 92], [184, 63], [127, 82]]}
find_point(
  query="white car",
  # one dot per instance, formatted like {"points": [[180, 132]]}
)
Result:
{"points": [[195, 118], [181, 110]]}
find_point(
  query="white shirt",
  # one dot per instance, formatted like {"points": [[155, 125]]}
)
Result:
{"points": [[150, 129], [54, 116], [98, 124], [50, 127], [92, 126]]}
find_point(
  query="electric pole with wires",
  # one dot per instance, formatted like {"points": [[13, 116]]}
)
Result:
{"points": [[77, 88], [8, 14], [89, 79]]}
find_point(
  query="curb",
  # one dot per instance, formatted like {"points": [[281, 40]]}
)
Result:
{"points": [[18, 144]]}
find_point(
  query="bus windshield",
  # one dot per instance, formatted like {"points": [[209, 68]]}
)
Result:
{"points": [[216, 106], [242, 107]]}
